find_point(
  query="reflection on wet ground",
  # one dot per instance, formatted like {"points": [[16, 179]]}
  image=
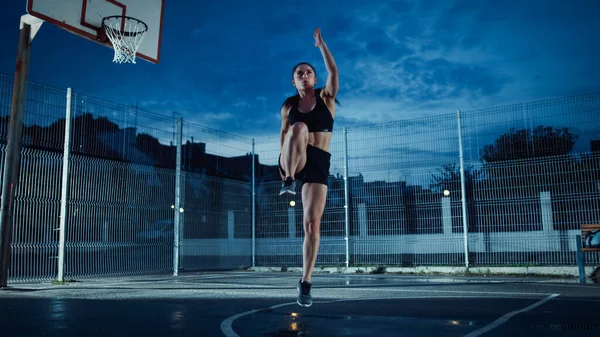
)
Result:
{"points": [[248, 304]]}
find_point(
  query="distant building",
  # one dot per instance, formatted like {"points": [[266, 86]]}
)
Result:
{"points": [[595, 145]]}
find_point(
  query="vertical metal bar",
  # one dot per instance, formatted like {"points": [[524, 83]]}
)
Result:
{"points": [[463, 191], [346, 198], [177, 214], [580, 259], [124, 139], [12, 160], [253, 207], [64, 198]]}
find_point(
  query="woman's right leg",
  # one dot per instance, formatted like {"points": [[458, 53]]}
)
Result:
{"points": [[293, 154], [314, 198]]}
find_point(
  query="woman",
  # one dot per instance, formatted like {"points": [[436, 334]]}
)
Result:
{"points": [[306, 126]]}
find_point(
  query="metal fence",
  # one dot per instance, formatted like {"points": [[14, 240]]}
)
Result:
{"points": [[529, 174], [129, 176], [147, 193], [217, 200]]}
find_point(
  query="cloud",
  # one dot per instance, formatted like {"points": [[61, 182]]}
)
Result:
{"points": [[398, 60], [212, 117]]}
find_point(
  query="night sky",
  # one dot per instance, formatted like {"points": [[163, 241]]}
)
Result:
{"points": [[227, 64]]}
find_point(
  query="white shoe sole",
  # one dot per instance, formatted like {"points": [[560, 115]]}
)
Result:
{"points": [[303, 305], [287, 192]]}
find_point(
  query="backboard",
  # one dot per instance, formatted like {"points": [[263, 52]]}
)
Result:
{"points": [[84, 18]]}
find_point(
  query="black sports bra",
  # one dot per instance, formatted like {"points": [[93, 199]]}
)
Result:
{"points": [[317, 120]]}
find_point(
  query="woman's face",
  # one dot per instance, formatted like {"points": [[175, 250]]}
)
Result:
{"points": [[304, 77]]}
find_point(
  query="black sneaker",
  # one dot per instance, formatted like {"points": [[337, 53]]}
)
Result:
{"points": [[304, 298], [288, 186]]}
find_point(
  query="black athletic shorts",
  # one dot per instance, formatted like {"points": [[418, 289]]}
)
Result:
{"points": [[317, 166]]}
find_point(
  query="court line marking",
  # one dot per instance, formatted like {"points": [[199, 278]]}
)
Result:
{"points": [[508, 316], [566, 285], [452, 291], [227, 324], [385, 289]]}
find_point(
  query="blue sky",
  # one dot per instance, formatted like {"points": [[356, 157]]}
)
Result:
{"points": [[227, 64]]}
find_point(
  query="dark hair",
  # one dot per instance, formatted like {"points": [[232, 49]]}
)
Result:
{"points": [[314, 71]]}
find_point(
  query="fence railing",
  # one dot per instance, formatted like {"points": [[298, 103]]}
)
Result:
{"points": [[504, 186]]}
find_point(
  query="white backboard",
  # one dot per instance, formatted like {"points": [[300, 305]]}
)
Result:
{"points": [[84, 18]]}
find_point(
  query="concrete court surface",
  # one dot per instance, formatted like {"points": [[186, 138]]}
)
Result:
{"points": [[263, 304]]}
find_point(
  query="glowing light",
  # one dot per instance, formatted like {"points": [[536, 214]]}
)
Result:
{"points": [[292, 203], [446, 192]]}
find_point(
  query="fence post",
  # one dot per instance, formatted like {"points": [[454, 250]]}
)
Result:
{"points": [[177, 214], [253, 207], [64, 198], [463, 191], [346, 198], [12, 158], [580, 259]]}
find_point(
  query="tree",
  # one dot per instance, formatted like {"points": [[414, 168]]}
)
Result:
{"points": [[519, 166], [514, 187], [525, 143], [448, 178]]}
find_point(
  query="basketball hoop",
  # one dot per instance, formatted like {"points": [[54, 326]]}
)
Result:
{"points": [[126, 34]]}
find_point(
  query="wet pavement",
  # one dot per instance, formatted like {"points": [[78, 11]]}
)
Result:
{"points": [[263, 304]]}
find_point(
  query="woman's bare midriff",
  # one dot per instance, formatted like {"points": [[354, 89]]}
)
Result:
{"points": [[320, 140]]}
